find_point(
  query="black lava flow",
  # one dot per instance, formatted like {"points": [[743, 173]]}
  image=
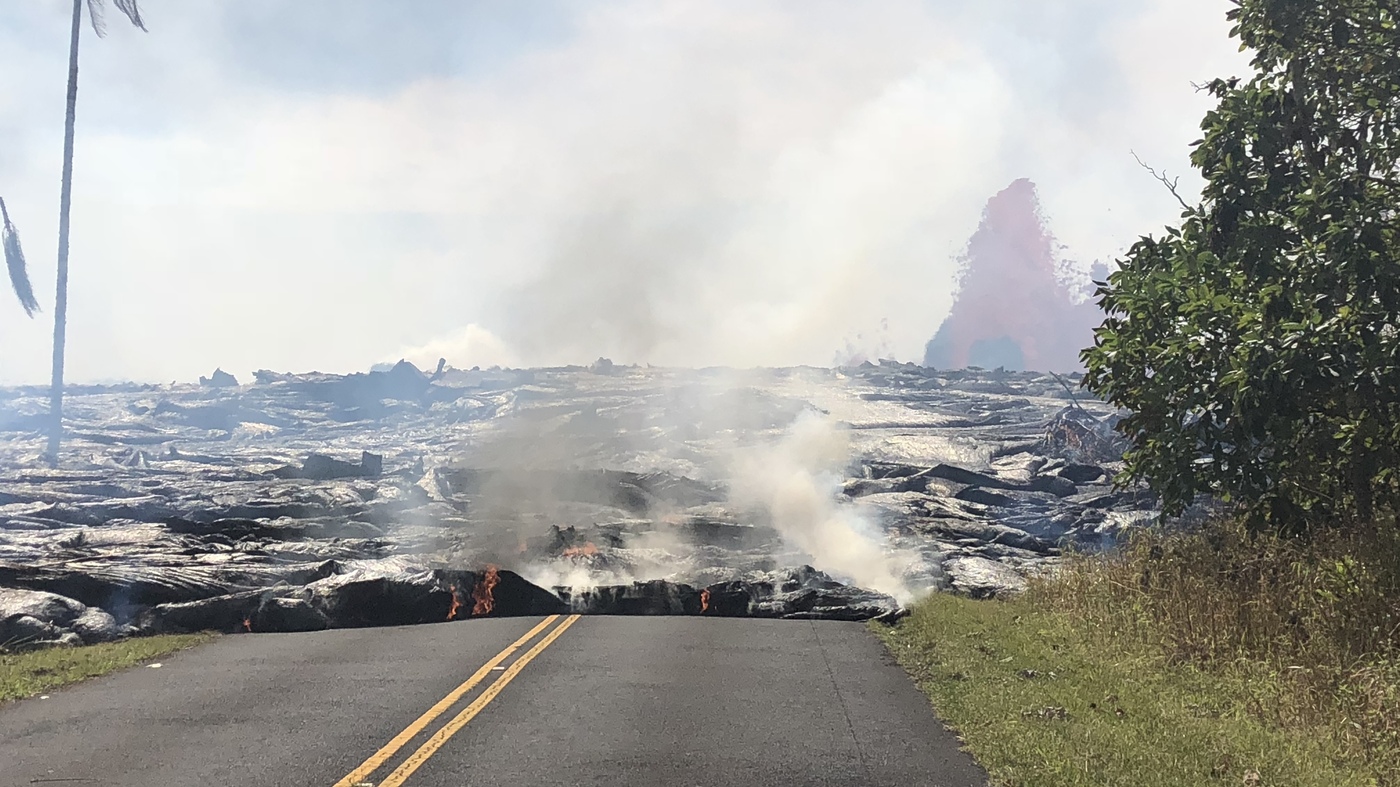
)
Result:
{"points": [[308, 501]]}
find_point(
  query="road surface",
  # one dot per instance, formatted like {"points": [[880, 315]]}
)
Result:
{"points": [[617, 701]]}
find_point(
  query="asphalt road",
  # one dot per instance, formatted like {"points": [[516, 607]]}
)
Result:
{"points": [[615, 701]]}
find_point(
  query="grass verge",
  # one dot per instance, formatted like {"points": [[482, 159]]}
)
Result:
{"points": [[1040, 701], [27, 674]]}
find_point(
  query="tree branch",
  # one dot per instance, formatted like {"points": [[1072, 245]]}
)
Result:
{"points": [[1074, 400], [1170, 184]]}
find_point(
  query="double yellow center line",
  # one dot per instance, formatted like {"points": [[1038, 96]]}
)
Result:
{"points": [[360, 775]]}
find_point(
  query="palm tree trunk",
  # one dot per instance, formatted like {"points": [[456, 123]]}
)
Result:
{"points": [[60, 304]]}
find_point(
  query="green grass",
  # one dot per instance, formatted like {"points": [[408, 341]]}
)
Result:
{"points": [[27, 674], [1041, 701]]}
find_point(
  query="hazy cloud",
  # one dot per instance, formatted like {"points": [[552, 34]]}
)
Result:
{"points": [[326, 185]]}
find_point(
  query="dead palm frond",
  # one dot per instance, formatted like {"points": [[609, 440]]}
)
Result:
{"points": [[97, 11], [14, 261]]}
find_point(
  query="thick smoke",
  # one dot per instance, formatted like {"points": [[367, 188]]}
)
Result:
{"points": [[797, 481], [545, 464], [676, 182], [616, 282], [544, 467]]}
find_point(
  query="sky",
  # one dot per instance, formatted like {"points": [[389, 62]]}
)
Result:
{"points": [[328, 184]]}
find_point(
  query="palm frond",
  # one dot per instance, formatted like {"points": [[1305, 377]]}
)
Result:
{"points": [[97, 12], [132, 12], [14, 261], [97, 15]]}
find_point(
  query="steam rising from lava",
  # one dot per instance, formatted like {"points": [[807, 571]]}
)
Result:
{"points": [[797, 481], [770, 460]]}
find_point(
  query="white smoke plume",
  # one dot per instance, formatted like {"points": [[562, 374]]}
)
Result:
{"points": [[797, 480], [463, 349]]}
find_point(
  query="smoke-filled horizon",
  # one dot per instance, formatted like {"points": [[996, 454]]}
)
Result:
{"points": [[325, 186]]}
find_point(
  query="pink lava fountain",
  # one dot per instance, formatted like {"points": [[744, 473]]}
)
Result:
{"points": [[1011, 309]]}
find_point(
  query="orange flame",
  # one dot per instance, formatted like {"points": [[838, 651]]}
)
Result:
{"points": [[456, 604], [482, 595], [247, 624], [587, 550], [704, 601]]}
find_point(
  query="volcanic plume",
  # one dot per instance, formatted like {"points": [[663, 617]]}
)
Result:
{"points": [[1012, 310]]}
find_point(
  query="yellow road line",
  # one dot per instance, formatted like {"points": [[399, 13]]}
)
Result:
{"points": [[430, 746], [380, 757]]}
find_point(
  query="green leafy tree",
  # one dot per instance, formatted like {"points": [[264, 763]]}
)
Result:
{"points": [[1256, 344], [60, 306]]}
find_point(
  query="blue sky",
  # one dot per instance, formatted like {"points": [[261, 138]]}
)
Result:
{"points": [[324, 185], [376, 47]]}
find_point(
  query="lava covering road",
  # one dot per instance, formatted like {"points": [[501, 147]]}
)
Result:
{"points": [[312, 501]]}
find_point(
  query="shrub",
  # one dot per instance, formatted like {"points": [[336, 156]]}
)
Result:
{"points": [[1309, 627]]}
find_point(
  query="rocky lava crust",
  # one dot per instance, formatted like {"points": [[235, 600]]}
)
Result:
{"points": [[309, 501]]}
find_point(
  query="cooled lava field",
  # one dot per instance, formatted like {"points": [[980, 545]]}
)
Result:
{"points": [[307, 501]]}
